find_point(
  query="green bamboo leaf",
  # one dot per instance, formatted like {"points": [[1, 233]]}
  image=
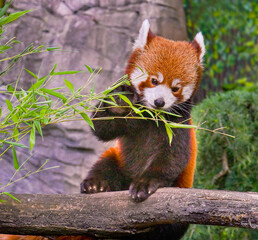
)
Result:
{"points": [[43, 78], [124, 98], [169, 113], [55, 94], [15, 160], [69, 85], [9, 105], [179, 125], [38, 126], [37, 84], [32, 137], [137, 111], [10, 195], [32, 74], [10, 88], [12, 17], [15, 133], [53, 70], [107, 91], [16, 41], [0, 112], [2, 201], [88, 120], [169, 133], [52, 48], [15, 144], [64, 73], [3, 10], [89, 68], [149, 112], [4, 48], [108, 102]]}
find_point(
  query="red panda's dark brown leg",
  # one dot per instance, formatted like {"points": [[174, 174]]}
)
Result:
{"points": [[107, 174]]}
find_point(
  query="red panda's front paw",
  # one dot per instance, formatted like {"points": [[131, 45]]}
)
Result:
{"points": [[93, 185], [141, 189]]}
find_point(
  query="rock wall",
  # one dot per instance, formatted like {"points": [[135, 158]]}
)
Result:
{"points": [[99, 33]]}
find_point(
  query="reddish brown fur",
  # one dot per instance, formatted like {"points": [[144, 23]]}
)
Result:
{"points": [[187, 177], [175, 60], [114, 153]]}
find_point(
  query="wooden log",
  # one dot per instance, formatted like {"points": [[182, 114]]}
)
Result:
{"points": [[114, 213]]}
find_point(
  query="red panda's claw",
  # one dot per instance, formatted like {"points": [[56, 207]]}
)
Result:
{"points": [[92, 185], [141, 189]]}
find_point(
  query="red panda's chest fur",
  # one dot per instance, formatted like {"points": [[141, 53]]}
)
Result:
{"points": [[148, 151]]}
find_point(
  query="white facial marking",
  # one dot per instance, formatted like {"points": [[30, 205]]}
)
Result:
{"points": [[176, 82], [143, 34], [160, 77], [161, 91], [138, 76], [199, 39], [187, 91]]}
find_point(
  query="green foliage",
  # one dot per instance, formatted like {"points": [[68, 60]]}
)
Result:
{"points": [[230, 32], [237, 111]]}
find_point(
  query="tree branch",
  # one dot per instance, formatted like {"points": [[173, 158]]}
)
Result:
{"points": [[106, 214]]}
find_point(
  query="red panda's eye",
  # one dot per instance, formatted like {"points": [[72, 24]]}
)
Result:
{"points": [[175, 89], [154, 81]]}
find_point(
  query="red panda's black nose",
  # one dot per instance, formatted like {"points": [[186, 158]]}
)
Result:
{"points": [[159, 102]]}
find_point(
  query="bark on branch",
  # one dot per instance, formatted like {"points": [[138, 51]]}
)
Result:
{"points": [[106, 214]]}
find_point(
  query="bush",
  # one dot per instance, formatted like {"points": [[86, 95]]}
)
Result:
{"points": [[238, 112], [230, 32]]}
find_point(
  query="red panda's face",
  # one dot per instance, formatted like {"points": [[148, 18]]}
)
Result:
{"points": [[164, 72]]}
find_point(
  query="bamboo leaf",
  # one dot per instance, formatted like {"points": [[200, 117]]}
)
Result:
{"points": [[12, 17], [3, 10], [32, 139], [108, 102], [137, 111], [88, 120], [15, 144], [10, 195], [69, 85], [15, 160], [37, 84], [55, 94], [169, 133], [32, 74], [9, 105], [124, 98], [53, 70], [4, 48], [52, 48], [38, 126], [180, 125], [15, 133], [10, 88], [89, 68]]}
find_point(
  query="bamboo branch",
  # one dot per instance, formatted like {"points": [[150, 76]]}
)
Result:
{"points": [[114, 213]]}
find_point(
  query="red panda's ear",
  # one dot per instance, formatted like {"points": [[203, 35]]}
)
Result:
{"points": [[145, 35], [198, 43]]}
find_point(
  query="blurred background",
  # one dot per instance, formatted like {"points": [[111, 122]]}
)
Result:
{"points": [[100, 33]]}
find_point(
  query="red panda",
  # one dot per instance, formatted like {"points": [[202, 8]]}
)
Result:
{"points": [[164, 74]]}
